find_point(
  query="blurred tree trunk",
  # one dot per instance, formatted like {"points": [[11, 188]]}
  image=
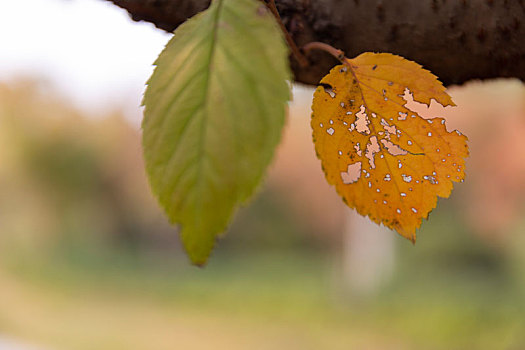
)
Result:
{"points": [[458, 40], [368, 255]]}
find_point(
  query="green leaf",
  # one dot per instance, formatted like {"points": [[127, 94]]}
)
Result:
{"points": [[215, 107]]}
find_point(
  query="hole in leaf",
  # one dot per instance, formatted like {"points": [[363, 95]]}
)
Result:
{"points": [[393, 149], [391, 129], [352, 174], [406, 178], [328, 89], [362, 121], [371, 149], [358, 149]]}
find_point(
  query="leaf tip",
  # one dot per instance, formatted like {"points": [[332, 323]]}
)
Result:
{"points": [[199, 263], [198, 258]]}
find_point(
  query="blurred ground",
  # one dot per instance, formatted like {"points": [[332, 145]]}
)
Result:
{"points": [[87, 260]]}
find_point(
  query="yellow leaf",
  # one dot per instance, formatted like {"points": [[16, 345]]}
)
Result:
{"points": [[384, 159]]}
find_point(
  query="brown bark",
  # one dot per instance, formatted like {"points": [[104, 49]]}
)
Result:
{"points": [[458, 40]]}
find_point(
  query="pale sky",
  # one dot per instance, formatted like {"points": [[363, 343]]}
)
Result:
{"points": [[90, 49]]}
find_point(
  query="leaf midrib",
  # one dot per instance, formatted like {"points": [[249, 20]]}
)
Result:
{"points": [[204, 127], [352, 71]]}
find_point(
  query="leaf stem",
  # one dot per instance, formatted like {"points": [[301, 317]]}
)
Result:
{"points": [[301, 59], [316, 45]]}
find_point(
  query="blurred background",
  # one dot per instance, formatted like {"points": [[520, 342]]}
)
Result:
{"points": [[88, 261]]}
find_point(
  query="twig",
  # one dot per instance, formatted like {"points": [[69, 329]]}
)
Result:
{"points": [[315, 45], [301, 59]]}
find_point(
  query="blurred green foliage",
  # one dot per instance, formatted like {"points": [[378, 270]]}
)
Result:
{"points": [[88, 261]]}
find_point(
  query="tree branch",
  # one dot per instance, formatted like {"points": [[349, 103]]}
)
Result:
{"points": [[458, 40]]}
